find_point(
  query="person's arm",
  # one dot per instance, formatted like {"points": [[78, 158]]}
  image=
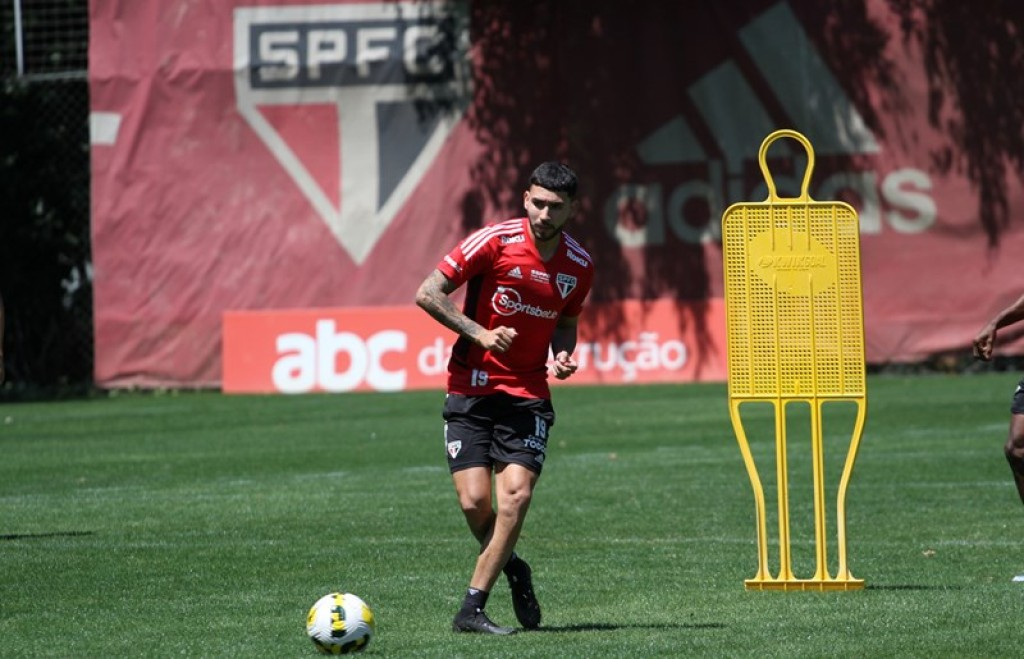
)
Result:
{"points": [[563, 344], [433, 297], [985, 341]]}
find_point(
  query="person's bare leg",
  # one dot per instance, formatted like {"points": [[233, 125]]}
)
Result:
{"points": [[514, 490], [1015, 451], [473, 487]]}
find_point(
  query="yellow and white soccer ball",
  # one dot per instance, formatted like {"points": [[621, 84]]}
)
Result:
{"points": [[340, 623]]}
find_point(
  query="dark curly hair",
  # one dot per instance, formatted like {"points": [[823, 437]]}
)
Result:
{"points": [[555, 176]]}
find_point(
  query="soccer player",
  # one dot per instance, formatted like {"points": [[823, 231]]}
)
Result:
{"points": [[984, 342], [526, 281]]}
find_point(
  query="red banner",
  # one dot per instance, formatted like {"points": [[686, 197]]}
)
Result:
{"points": [[399, 348], [256, 156]]}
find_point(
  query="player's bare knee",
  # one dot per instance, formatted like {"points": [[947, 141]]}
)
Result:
{"points": [[476, 507], [516, 500]]}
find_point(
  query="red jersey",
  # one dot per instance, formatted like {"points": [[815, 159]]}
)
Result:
{"points": [[508, 284]]}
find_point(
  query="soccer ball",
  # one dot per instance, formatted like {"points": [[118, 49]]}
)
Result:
{"points": [[340, 623]]}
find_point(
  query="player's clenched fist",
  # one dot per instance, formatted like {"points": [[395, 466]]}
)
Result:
{"points": [[564, 365], [984, 342], [498, 339]]}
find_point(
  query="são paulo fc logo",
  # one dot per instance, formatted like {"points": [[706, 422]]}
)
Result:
{"points": [[354, 100], [508, 302], [566, 284]]}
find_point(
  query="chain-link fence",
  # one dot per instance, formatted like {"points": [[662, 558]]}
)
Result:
{"points": [[45, 264]]}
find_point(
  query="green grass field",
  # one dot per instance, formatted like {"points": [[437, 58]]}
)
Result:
{"points": [[198, 524]]}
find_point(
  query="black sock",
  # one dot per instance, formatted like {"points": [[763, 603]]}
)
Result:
{"points": [[475, 600], [513, 564]]}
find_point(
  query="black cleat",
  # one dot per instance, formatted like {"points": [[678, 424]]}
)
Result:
{"points": [[523, 600], [480, 623]]}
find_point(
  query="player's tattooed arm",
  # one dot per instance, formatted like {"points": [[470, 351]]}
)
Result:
{"points": [[433, 297]]}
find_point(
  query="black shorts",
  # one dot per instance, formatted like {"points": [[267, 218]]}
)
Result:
{"points": [[1018, 399], [483, 430]]}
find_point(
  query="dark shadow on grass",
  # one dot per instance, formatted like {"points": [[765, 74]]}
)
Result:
{"points": [[55, 534], [605, 627], [910, 587]]}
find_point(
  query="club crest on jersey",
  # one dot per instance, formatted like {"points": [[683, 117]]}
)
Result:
{"points": [[335, 93], [566, 284]]}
